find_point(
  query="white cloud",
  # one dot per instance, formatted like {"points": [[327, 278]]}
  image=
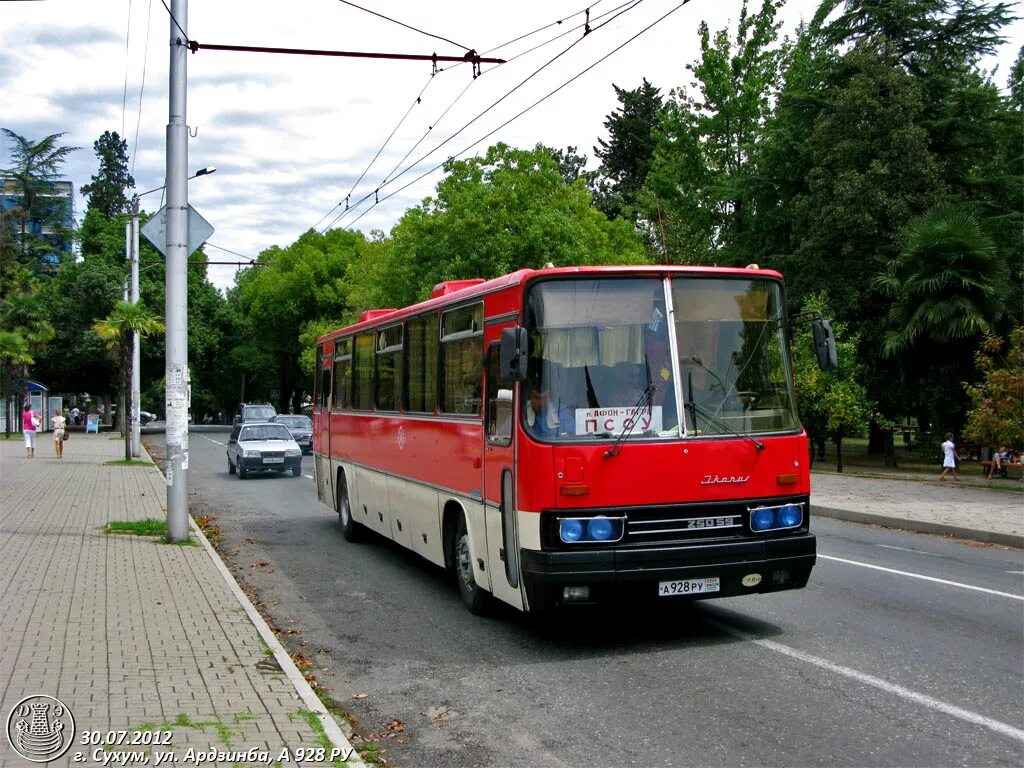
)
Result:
{"points": [[290, 135]]}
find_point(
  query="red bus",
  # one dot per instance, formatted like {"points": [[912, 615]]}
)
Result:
{"points": [[561, 435]]}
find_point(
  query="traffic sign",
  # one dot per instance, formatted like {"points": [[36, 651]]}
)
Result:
{"points": [[199, 230]]}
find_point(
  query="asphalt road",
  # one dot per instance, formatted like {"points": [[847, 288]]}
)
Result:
{"points": [[903, 650]]}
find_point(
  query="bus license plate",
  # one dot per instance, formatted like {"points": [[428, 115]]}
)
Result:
{"points": [[688, 587], [273, 461]]}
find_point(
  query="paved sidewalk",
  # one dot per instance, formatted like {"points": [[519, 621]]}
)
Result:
{"points": [[967, 510], [131, 634]]}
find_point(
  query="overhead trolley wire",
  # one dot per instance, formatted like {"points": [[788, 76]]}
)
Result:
{"points": [[376, 192], [532, 106], [403, 24], [388, 177]]}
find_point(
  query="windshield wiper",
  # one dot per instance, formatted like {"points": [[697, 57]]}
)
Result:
{"points": [[644, 401], [722, 423]]}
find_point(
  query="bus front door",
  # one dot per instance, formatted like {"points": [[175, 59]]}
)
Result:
{"points": [[499, 485]]}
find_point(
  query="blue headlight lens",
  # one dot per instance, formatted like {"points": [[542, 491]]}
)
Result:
{"points": [[762, 519], [600, 529], [790, 515], [570, 531]]}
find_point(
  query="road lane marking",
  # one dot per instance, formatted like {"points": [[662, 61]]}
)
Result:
{"points": [[877, 682], [923, 577], [907, 549]]}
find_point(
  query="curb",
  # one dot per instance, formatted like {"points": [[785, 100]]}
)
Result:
{"points": [[281, 655], [302, 687], [920, 526]]}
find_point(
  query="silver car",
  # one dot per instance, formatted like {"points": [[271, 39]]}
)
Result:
{"points": [[263, 447], [301, 428]]}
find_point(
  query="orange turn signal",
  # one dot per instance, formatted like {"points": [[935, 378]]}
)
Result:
{"points": [[790, 479], [574, 490]]}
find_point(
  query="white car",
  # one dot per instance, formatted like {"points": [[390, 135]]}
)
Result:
{"points": [[263, 447]]}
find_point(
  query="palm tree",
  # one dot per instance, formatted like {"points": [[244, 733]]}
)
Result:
{"points": [[947, 284], [118, 329]]}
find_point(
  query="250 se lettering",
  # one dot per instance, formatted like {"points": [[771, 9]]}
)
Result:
{"points": [[114, 738]]}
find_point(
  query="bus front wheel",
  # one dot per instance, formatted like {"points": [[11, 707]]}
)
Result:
{"points": [[474, 598], [350, 529]]}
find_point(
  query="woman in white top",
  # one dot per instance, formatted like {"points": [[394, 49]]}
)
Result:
{"points": [[950, 458], [58, 425]]}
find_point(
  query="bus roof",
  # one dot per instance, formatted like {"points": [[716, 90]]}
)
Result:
{"points": [[442, 294]]}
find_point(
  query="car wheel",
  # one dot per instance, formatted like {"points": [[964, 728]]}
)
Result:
{"points": [[231, 467], [473, 597], [242, 471], [350, 529], [297, 470]]}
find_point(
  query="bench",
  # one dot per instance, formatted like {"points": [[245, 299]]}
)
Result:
{"points": [[986, 467]]}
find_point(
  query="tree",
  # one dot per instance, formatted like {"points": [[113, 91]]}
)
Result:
{"points": [[626, 155], [36, 167], [118, 330], [997, 401], [494, 214], [832, 404], [946, 284], [707, 139], [293, 288], [108, 191]]}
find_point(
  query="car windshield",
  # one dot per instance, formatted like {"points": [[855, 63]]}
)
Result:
{"points": [[295, 422], [265, 432], [256, 412], [605, 359]]}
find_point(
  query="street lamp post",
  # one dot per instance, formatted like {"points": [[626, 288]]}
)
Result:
{"points": [[132, 245]]}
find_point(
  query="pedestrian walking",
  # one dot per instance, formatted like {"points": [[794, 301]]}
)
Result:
{"points": [[58, 424], [950, 458], [30, 422]]}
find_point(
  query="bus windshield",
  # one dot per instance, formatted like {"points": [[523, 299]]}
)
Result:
{"points": [[605, 359]]}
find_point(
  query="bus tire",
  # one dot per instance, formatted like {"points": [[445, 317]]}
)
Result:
{"points": [[475, 599], [350, 529]]}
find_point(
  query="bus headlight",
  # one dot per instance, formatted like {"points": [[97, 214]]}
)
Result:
{"points": [[776, 518], [570, 531], [601, 529]]}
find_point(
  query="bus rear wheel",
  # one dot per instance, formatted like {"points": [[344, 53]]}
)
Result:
{"points": [[473, 597], [350, 529]]}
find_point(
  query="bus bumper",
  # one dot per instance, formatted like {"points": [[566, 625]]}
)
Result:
{"points": [[742, 568]]}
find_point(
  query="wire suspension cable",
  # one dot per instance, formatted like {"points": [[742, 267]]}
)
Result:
{"points": [[527, 109], [505, 96], [403, 24]]}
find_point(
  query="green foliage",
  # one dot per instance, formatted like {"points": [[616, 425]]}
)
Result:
{"points": [[832, 403], [36, 166], [117, 330], [700, 181], [108, 191], [997, 400], [946, 284], [494, 214], [626, 156], [291, 287]]}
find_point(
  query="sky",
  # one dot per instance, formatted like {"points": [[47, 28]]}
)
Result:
{"points": [[295, 137]]}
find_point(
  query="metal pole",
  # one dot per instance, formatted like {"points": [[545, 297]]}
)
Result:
{"points": [[136, 351], [177, 378]]}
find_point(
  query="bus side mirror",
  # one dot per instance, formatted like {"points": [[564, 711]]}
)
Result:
{"points": [[825, 345], [512, 355]]}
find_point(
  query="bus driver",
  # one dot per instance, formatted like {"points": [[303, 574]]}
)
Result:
{"points": [[544, 419]]}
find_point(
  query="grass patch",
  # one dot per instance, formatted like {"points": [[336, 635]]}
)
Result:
{"points": [[148, 527], [128, 463]]}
